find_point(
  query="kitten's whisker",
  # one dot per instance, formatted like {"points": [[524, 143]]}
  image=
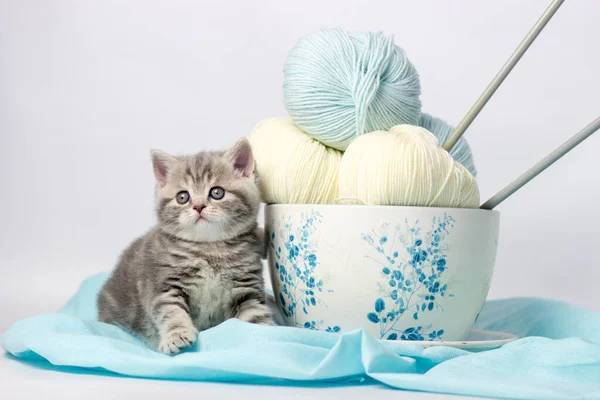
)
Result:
{"points": [[229, 221], [221, 226], [238, 226]]}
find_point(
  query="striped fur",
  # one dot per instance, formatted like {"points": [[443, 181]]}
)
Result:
{"points": [[189, 274]]}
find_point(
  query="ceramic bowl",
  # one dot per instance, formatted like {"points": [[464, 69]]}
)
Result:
{"points": [[399, 273]]}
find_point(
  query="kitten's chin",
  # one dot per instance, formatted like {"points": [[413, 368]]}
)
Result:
{"points": [[205, 231]]}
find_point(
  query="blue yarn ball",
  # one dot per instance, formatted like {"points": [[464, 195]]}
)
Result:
{"points": [[338, 86], [461, 152]]}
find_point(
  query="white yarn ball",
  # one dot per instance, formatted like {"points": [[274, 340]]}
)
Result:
{"points": [[461, 151], [406, 167], [293, 167]]}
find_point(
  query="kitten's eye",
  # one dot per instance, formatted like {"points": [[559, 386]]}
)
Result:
{"points": [[217, 193], [183, 197]]}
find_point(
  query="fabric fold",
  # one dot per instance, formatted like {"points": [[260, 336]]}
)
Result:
{"points": [[557, 358]]}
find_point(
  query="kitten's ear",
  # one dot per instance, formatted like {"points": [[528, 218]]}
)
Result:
{"points": [[162, 163], [241, 157]]}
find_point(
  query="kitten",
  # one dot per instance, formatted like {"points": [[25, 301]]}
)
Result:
{"points": [[201, 264]]}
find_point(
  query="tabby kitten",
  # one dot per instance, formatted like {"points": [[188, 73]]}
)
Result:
{"points": [[201, 264]]}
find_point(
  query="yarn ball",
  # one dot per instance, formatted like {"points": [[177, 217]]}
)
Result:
{"points": [[338, 86], [293, 167], [406, 167], [461, 151]]}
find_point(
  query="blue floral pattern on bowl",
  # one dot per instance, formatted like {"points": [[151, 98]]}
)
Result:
{"points": [[296, 263], [318, 326], [412, 271]]}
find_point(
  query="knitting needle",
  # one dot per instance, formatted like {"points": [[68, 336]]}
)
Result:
{"points": [[499, 78], [541, 166]]}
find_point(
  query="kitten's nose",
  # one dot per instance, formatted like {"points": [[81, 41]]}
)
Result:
{"points": [[199, 208]]}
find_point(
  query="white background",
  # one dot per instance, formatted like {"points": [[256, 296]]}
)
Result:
{"points": [[87, 88]]}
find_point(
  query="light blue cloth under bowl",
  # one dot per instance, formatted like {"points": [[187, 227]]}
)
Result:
{"points": [[558, 358]]}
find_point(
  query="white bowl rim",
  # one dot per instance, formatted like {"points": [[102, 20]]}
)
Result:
{"points": [[382, 207]]}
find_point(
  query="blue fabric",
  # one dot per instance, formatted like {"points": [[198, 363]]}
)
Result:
{"points": [[559, 358]]}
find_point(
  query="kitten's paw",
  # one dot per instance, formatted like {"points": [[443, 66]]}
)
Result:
{"points": [[258, 314], [268, 322], [262, 320], [173, 342]]}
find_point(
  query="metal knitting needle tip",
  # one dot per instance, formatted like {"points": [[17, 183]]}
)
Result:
{"points": [[499, 78]]}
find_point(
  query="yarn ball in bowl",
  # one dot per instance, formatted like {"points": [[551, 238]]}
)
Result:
{"points": [[338, 86], [293, 167], [461, 152], [405, 167]]}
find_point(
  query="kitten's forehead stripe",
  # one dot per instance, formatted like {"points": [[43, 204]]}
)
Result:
{"points": [[188, 172], [205, 172], [190, 181], [193, 170]]}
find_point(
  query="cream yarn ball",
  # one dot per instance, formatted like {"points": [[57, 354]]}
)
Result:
{"points": [[293, 167], [405, 167]]}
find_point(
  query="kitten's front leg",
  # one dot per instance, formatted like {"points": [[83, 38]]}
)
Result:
{"points": [[170, 312], [249, 305]]}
